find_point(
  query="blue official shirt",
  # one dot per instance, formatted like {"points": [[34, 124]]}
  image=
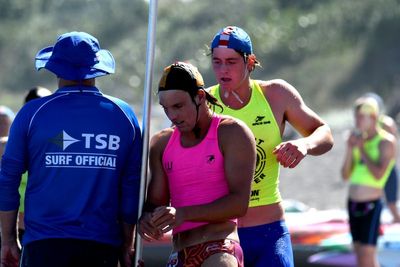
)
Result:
{"points": [[82, 151]]}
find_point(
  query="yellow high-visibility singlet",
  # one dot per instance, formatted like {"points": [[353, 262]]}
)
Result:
{"points": [[258, 116], [360, 174]]}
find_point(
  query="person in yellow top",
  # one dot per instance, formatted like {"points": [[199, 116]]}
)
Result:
{"points": [[369, 159], [265, 106], [388, 124]]}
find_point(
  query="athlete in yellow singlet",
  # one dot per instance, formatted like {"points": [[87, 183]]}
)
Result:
{"points": [[369, 159], [258, 115], [265, 106]]}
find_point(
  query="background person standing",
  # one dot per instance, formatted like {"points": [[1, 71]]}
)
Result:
{"points": [[388, 124], [369, 159]]}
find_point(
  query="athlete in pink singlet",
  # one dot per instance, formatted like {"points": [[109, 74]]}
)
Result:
{"points": [[201, 170]]}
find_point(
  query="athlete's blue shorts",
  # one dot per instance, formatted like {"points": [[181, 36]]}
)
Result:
{"points": [[391, 186], [266, 245]]}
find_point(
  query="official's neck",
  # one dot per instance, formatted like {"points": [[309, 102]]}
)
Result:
{"points": [[62, 82]]}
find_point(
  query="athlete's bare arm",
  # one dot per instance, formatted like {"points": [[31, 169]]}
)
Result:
{"points": [[10, 248], [348, 163], [157, 192], [238, 147], [387, 152], [288, 105]]}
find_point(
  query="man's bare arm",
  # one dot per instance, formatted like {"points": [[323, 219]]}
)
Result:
{"points": [[317, 137], [10, 248]]}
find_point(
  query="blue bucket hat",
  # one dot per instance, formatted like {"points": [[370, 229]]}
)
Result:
{"points": [[76, 56], [233, 37]]}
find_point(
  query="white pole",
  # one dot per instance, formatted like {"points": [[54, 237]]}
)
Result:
{"points": [[151, 41]]}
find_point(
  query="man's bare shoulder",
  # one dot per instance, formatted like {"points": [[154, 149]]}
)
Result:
{"points": [[278, 88], [234, 136], [276, 84], [161, 138], [229, 121], [230, 125], [281, 95]]}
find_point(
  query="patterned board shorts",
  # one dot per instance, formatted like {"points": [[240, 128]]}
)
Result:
{"points": [[194, 256]]}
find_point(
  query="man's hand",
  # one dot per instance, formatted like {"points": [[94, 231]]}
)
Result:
{"points": [[147, 230], [10, 254], [290, 153], [127, 254], [166, 218]]}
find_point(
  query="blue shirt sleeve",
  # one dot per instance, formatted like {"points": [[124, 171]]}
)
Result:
{"points": [[132, 172], [131, 182], [13, 163]]}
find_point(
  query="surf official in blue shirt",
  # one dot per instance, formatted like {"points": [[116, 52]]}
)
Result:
{"points": [[82, 151]]}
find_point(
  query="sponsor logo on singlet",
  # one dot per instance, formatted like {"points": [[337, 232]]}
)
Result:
{"points": [[69, 158], [168, 166], [260, 163], [255, 195], [260, 120], [210, 159]]}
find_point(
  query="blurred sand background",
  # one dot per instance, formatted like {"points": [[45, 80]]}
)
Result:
{"points": [[316, 181]]}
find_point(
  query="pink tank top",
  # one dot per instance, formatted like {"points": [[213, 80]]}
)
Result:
{"points": [[196, 174]]}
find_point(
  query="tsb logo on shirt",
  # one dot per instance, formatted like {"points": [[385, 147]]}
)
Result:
{"points": [[82, 156], [101, 141], [97, 141]]}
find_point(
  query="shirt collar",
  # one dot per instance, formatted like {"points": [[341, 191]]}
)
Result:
{"points": [[78, 89]]}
